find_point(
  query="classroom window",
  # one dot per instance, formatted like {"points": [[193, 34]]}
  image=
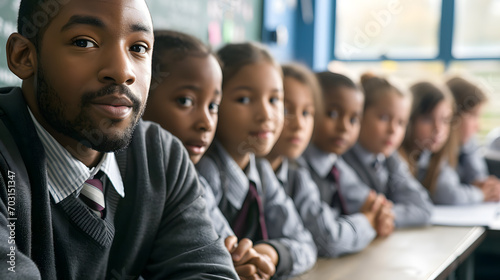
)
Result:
{"points": [[476, 32], [395, 29]]}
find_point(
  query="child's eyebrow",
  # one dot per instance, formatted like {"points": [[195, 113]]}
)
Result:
{"points": [[96, 22], [188, 87], [140, 28]]}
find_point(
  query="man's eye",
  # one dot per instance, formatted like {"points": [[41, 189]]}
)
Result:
{"points": [[84, 43], [138, 48], [185, 101]]}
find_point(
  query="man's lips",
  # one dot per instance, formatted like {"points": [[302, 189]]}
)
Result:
{"points": [[113, 107], [114, 100]]}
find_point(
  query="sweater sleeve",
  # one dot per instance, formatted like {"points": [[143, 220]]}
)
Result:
{"points": [[186, 246], [412, 204], [221, 225], [354, 191], [471, 163], [334, 235], [450, 191], [14, 263], [285, 227]]}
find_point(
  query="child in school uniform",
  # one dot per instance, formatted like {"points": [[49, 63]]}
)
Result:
{"points": [[246, 190], [184, 100], [334, 234], [375, 159], [430, 148], [336, 128], [469, 101]]}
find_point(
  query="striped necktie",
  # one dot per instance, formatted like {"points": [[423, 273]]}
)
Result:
{"points": [[92, 195], [250, 220], [378, 166], [337, 196]]}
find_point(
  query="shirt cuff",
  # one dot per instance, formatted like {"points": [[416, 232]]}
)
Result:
{"points": [[285, 261]]}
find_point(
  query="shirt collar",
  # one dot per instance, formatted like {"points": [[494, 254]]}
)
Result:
{"points": [[282, 172], [237, 178], [423, 160], [320, 161], [66, 174]]}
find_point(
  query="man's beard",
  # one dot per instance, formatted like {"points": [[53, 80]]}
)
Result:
{"points": [[98, 136]]}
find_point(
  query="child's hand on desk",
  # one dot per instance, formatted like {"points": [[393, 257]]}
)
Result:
{"points": [[372, 206], [385, 219], [490, 188], [248, 262]]}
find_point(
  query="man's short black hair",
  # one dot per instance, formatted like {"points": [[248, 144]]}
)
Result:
{"points": [[35, 15]]}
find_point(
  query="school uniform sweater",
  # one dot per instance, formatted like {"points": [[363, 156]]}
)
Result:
{"points": [[319, 164], [221, 225], [471, 163], [159, 230], [448, 190], [333, 233], [230, 185], [412, 205]]}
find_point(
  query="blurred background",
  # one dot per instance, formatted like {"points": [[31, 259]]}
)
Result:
{"points": [[409, 40]]}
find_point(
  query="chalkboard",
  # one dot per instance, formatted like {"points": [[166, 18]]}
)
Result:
{"points": [[215, 22]]}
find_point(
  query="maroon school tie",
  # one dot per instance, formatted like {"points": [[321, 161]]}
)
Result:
{"points": [[337, 196], [250, 215], [92, 195]]}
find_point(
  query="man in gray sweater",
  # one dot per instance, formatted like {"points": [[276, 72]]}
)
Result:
{"points": [[87, 189]]}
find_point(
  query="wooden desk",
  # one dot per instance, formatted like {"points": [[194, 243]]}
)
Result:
{"points": [[420, 253]]}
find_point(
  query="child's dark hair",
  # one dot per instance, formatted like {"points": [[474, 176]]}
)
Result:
{"points": [[236, 56], [329, 80], [375, 87], [306, 77], [466, 94], [172, 46], [426, 96]]}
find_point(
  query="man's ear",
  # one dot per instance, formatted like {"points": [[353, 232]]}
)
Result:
{"points": [[21, 56]]}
